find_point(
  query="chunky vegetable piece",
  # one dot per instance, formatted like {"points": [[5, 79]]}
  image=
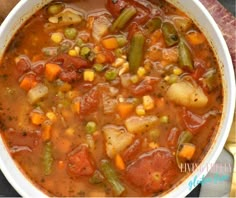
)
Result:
{"points": [[47, 158], [117, 139], [123, 19], [109, 98], [135, 55], [186, 94], [112, 177]]}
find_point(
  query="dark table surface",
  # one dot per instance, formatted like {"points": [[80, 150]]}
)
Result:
{"points": [[6, 189]]}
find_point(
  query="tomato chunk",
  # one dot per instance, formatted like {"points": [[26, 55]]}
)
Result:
{"points": [[90, 101], [79, 162], [192, 121], [144, 87], [71, 62], [153, 171]]}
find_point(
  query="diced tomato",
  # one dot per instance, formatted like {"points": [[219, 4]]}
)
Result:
{"points": [[173, 137], [89, 102], [192, 121], [199, 71], [110, 57], [68, 61], [153, 171], [143, 14], [144, 87], [80, 162], [132, 150], [115, 7], [23, 65], [133, 28], [38, 68], [22, 139], [68, 76]]}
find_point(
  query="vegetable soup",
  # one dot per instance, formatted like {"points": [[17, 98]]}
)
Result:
{"points": [[108, 98]]}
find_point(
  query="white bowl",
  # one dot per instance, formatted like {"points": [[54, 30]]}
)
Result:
{"points": [[24, 9]]}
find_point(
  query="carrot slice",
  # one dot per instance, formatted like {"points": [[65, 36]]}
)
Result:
{"points": [[195, 38], [37, 118], [110, 43], [52, 71], [28, 82], [119, 162], [100, 58], [46, 131], [124, 109], [187, 151]]}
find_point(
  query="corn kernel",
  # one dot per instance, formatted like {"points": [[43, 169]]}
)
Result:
{"points": [[77, 49], [177, 71], [56, 37], [124, 57], [51, 116], [140, 111], [89, 75], [167, 78], [118, 62], [164, 119], [70, 131], [134, 79], [73, 52], [124, 68], [53, 19], [72, 94], [148, 102], [153, 145], [141, 71]]}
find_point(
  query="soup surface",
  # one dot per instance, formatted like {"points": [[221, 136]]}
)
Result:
{"points": [[108, 98]]}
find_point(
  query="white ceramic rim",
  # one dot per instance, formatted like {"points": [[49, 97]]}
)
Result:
{"points": [[21, 12]]}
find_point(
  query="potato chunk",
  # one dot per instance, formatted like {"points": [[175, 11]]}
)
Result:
{"points": [[117, 139], [136, 124], [186, 94]]}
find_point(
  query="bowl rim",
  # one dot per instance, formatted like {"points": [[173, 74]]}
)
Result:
{"points": [[26, 188]]}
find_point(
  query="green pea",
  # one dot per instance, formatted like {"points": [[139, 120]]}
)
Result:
{"points": [[111, 75], [98, 67], [91, 127], [70, 33], [55, 8], [85, 51]]}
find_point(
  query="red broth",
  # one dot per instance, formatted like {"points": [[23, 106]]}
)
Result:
{"points": [[108, 98]]}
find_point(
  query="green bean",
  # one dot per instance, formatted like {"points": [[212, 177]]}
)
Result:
{"points": [[185, 56], [153, 24], [123, 19], [55, 8], [96, 178], [70, 33], [184, 137], [47, 158], [136, 51], [170, 34], [112, 177]]}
